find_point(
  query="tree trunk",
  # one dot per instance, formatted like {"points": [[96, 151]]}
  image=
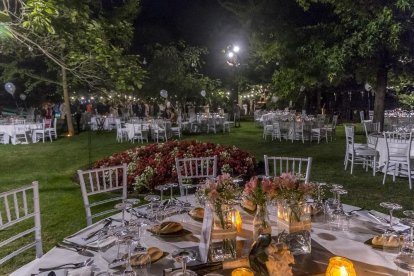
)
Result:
{"points": [[318, 100], [379, 103], [71, 130]]}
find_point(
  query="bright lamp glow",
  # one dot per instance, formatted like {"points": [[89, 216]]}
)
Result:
{"points": [[236, 49], [230, 54]]}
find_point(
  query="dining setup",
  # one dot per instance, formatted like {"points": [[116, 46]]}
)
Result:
{"points": [[19, 130], [279, 223]]}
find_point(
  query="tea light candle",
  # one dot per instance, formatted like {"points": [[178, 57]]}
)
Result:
{"points": [[242, 271], [340, 266], [237, 221]]}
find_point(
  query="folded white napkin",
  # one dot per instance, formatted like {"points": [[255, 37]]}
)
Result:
{"points": [[83, 271], [396, 225]]}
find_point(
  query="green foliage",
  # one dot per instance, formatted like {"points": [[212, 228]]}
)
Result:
{"points": [[96, 53], [175, 67]]}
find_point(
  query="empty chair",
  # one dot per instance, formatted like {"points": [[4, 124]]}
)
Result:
{"points": [[52, 129], [357, 153], [20, 134], [275, 166], [193, 169], [276, 134], [16, 207], [268, 130], [371, 127], [121, 131], [138, 133], [398, 155], [226, 123], [102, 181], [159, 131], [211, 124], [176, 130], [362, 116], [330, 129], [45, 130]]}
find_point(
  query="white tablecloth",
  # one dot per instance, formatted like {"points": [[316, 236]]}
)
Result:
{"points": [[8, 131], [348, 244], [382, 150]]}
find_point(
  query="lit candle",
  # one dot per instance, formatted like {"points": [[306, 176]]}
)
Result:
{"points": [[242, 271], [340, 266], [237, 221]]}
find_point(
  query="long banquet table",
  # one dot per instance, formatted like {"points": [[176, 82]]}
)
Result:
{"points": [[9, 129], [325, 243]]}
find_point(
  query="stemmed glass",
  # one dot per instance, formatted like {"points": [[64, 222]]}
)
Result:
{"points": [[405, 259], [391, 207], [184, 256], [126, 205], [171, 186], [339, 220], [152, 199], [162, 188]]}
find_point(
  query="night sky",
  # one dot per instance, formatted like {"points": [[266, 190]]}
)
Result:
{"points": [[198, 22]]}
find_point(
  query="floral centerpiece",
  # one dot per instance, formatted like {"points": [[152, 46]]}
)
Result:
{"points": [[259, 191], [221, 195], [291, 193]]}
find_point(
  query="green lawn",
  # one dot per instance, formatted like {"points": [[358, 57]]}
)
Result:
{"points": [[54, 165]]}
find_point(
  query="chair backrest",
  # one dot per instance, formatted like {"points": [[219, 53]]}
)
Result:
{"points": [[17, 206], [47, 123], [275, 166], [103, 180], [334, 121], [349, 138], [362, 115], [190, 168], [398, 144], [371, 127]]}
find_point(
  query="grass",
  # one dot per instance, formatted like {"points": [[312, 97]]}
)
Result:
{"points": [[54, 165]]}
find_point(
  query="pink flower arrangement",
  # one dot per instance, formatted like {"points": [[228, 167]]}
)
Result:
{"points": [[258, 191], [221, 191], [292, 188], [154, 164]]}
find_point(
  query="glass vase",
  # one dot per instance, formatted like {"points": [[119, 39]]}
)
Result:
{"points": [[261, 223], [224, 233], [294, 221]]}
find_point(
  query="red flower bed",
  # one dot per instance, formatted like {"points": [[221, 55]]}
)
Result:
{"points": [[154, 164]]}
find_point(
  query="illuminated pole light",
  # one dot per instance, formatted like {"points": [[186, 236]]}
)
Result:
{"points": [[236, 48]]}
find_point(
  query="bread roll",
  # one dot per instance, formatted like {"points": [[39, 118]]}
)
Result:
{"points": [[392, 241], [167, 227], [197, 213], [377, 240], [155, 253], [140, 259]]}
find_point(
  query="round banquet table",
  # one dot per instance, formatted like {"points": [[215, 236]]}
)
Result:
{"points": [[8, 131], [381, 148], [325, 244]]}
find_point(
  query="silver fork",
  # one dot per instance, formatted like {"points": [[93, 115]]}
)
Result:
{"points": [[68, 265]]}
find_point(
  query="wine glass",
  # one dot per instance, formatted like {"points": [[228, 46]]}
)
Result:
{"points": [[126, 205], [319, 204], [171, 186], [338, 218], [152, 199], [391, 207], [405, 259], [161, 188], [184, 256]]}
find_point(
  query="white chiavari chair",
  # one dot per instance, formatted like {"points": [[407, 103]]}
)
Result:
{"points": [[398, 155], [193, 169], [105, 180], [16, 207], [275, 166]]}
